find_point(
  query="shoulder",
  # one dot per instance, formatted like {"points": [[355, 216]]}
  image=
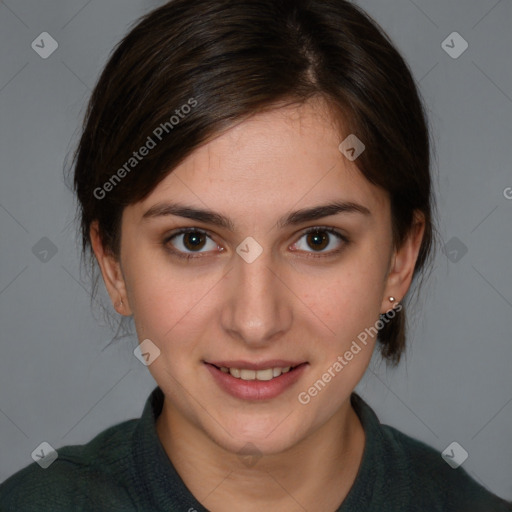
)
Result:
{"points": [[77, 477], [434, 484]]}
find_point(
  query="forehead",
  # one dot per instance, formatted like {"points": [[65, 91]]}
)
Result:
{"points": [[276, 161]]}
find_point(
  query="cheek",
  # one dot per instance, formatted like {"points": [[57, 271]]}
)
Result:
{"points": [[166, 301], [149, 289], [352, 293], [349, 304]]}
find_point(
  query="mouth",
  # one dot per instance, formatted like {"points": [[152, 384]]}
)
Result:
{"points": [[250, 381], [266, 374]]}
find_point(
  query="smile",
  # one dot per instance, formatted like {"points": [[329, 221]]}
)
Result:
{"points": [[250, 381], [266, 374]]}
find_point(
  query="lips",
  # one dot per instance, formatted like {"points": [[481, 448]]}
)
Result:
{"points": [[263, 365], [256, 381]]}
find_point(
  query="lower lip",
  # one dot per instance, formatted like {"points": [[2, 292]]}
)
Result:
{"points": [[256, 389]]}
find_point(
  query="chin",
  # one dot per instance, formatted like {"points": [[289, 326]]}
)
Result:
{"points": [[261, 437]]}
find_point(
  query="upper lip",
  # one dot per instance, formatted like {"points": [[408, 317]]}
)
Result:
{"points": [[263, 365]]}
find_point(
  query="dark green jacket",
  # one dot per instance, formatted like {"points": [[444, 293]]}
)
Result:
{"points": [[125, 468]]}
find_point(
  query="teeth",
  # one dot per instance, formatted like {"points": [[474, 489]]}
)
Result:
{"points": [[264, 374], [235, 372], [247, 374], [267, 374]]}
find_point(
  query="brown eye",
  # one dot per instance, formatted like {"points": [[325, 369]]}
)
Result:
{"points": [[317, 240], [188, 241], [194, 240]]}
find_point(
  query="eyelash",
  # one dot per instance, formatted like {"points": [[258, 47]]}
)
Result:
{"points": [[315, 229]]}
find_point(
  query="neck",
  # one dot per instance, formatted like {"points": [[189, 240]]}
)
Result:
{"points": [[315, 474]]}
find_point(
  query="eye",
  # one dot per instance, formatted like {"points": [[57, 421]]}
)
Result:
{"points": [[319, 238], [189, 241]]}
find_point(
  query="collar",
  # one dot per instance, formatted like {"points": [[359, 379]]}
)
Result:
{"points": [[165, 490]]}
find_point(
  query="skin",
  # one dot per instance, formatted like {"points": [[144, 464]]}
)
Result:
{"points": [[295, 301]]}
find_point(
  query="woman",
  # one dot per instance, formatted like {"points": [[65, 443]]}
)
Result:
{"points": [[254, 184]]}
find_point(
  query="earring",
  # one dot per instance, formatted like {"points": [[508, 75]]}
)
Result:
{"points": [[394, 302], [120, 303]]}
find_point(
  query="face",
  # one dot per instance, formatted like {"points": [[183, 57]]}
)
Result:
{"points": [[278, 293]]}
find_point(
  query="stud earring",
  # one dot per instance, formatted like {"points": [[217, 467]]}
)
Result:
{"points": [[394, 302]]}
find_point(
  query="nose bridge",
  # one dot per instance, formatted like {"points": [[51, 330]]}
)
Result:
{"points": [[257, 308]]}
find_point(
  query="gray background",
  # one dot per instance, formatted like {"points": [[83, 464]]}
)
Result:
{"points": [[59, 384]]}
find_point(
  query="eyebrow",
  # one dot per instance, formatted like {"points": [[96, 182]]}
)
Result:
{"points": [[217, 219]]}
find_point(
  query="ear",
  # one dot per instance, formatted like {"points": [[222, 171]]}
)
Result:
{"points": [[111, 271], [403, 262]]}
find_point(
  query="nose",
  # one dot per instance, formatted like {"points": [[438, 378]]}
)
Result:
{"points": [[258, 308]]}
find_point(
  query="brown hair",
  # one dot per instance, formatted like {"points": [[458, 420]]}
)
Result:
{"points": [[229, 59]]}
